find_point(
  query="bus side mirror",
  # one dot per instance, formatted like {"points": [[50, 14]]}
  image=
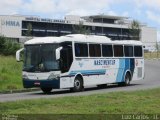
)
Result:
{"points": [[18, 55], [58, 50]]}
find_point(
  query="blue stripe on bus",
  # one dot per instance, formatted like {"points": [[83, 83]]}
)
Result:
{"points": [[88, 72], [120, 70], [124, 64]]}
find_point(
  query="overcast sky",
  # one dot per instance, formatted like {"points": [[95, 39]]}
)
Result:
{"points": [[146, 11]]}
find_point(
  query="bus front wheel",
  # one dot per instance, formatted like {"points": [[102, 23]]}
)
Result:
{"points": [[46, 90], [78, 85]]}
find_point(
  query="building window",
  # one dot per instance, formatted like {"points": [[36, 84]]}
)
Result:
{"points": [[81, 50], [118, 50], [128, 50], [94, 50], [107, 51]]}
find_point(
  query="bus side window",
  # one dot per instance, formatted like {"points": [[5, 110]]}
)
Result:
{"points": [[81, 50], [118, 50], [107, 51], [94, 50], [138, 51], [77, 49], [128, 50]]}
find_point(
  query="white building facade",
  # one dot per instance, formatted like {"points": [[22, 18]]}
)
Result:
{"points": [[114, 27]]}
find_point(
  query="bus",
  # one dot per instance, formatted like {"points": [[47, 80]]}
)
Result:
{"points": [[75, 61]]}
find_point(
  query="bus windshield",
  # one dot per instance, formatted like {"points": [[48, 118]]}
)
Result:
{"points": [[40, 58]]}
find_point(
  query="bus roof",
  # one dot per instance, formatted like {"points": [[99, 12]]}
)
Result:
{"points": [[80, 38]]}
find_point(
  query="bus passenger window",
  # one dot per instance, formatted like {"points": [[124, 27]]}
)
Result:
{"points": [[95, 50], [118, 50], [81, 50], [128, 50], [107, 51], [138, 51]]}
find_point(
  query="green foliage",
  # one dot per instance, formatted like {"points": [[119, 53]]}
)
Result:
{"points": [[135, 30], [152, 55], [157, 46], [10, 73], [29, 30], [135, 102], [7, 46], [2, 43], [80, 29]]}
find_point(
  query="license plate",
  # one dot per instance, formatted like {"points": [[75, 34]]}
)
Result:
{"points": [[37, 83]]}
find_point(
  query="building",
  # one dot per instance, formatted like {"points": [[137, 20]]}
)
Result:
{"points": [[114, 27]]}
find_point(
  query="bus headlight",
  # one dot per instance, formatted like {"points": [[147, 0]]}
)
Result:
{"points": [[25, 76], [53, 76]]}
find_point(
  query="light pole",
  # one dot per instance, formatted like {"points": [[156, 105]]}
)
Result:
{"points": [[102, 22], [121, 31], [121, 23]]}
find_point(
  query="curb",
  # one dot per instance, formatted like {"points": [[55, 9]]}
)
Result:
{"points": [[19, 91]]}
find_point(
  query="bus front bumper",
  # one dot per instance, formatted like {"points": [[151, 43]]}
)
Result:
{"points": [[28, 83]]}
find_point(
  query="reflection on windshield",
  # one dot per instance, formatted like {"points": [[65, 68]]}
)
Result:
{"points": [[40, 58]]}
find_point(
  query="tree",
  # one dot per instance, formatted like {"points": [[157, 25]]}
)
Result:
{"points": [[157, 46], [2, 43], [135, 30], [80, 29], [29, 31], [8, 46]]}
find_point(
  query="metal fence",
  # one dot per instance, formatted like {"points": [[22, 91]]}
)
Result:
{"points": [[151, 50]]}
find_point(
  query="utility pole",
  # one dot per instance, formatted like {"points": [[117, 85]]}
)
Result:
{"points": [[121, 31], [102, 22], [121, 23]]}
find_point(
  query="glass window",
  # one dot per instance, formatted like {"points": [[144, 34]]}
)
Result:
{"points": [[128, 50], [138, 51], [118, 50], [48, 57], [94, 50], [81, 50], [40, 58], [107, 51]]}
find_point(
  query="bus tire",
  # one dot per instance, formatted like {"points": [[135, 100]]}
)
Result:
{"points": [[127, 80], [46, 90], [78, 85]]}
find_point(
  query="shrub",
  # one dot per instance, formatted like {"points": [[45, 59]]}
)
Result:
{"points": [[2, 44], [8, 47]]}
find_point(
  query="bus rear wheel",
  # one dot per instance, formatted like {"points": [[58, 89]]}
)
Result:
{"points": [[46, 90], [78, 85], [127, 80]]}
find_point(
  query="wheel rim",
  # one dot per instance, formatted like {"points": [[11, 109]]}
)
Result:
{"points": [[77, 84], [127, 80]]}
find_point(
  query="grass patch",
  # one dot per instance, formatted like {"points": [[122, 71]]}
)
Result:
{"points": [[137, 102], [151, 55], [10, 73]]}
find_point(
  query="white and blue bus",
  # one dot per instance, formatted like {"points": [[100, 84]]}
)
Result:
{"points": [[75, 61]]}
